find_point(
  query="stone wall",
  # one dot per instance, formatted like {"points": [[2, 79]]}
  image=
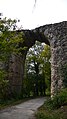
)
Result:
{"points": [[54, 35], [16, 70]]}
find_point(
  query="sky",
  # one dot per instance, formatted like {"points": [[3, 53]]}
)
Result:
{"points": [[44, 12]]}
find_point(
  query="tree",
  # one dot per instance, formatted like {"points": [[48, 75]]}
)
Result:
{"points": [[46, 66], [9, 44], [37, 63]]}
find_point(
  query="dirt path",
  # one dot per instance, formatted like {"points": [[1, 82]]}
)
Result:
{"points": [[22, 111]]}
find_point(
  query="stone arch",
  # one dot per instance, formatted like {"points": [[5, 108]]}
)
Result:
{"points": [[54, 35]]}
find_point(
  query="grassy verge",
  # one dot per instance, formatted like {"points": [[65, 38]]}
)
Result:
{"points": [[12, 102], [44, 113], [54, 109]]}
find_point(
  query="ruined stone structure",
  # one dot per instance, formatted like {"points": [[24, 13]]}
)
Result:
{"points": [[54, 35]]}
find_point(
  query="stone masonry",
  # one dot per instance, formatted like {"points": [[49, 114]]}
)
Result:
{"points": [[54, 35]]}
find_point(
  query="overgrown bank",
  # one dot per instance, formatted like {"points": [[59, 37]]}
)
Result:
{"points": [[54, 109]]}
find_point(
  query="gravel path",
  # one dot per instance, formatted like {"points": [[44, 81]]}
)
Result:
{"points": [[22, 111]]}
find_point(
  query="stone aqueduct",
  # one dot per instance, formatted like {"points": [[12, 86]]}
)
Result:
{"points": [[54, 35]]}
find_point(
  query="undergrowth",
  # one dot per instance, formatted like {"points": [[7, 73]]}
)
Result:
{"points": [[55, 108]]}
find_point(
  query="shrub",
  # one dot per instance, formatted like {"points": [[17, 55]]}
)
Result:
{"points": [[3, 85], [59, 100]]}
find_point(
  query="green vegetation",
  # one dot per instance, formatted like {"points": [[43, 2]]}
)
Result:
{"points": [[37, 71], [9, 44], [55, 108]]}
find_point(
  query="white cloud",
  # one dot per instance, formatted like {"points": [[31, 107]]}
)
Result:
{"points": [[45, 12]]}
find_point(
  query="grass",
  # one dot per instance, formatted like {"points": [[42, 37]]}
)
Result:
{"points": [[44, 113], [12, 102], [54, 109]]}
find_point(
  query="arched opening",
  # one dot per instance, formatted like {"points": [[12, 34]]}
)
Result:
{"points": [[37, 76], [17, 63]]}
